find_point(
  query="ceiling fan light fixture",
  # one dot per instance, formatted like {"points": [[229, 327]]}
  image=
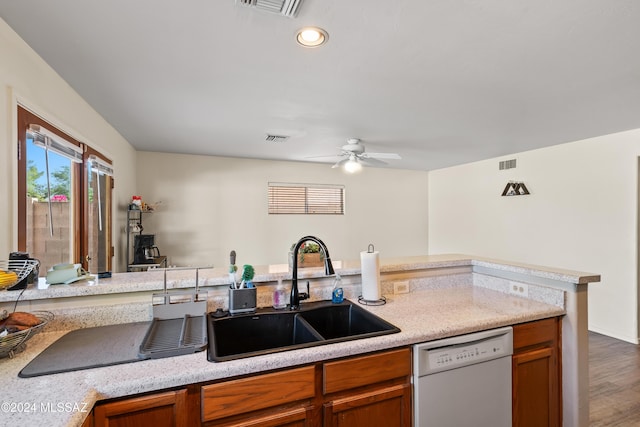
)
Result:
{"points": [[352, 165], [312, 37]]}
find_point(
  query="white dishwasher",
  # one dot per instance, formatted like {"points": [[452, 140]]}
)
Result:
{"points": [[464, 381]]}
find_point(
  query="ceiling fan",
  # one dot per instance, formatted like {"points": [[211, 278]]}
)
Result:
{"points": [[355, 156]]}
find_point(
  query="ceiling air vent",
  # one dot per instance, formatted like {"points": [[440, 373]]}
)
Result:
{"points": [[276, 138], [507, 164], [288, 8]]}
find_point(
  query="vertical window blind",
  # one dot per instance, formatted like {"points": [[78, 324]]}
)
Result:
{"points": [[306, 199]]}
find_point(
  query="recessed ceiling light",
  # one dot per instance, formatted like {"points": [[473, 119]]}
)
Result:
{"points": [[312, 36]]}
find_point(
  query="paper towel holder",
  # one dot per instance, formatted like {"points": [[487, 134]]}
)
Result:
{"points": [[382, 300]]}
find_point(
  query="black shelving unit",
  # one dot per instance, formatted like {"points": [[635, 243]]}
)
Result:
{"points": [[134, 217]]}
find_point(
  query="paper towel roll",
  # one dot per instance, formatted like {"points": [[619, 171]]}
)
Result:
{"points": [[370, 274]]}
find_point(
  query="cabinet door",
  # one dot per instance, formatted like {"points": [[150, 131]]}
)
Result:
{"points": [[293, 417], [158, 410], [88, 422], [384, 407], [533, 388], [536, 374], [368, 391]]}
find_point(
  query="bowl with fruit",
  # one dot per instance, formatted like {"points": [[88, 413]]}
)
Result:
{"points": [[18, 327], [14, 271]]}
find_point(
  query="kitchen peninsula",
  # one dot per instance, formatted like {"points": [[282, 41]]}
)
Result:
{"points": [[449, 295]]}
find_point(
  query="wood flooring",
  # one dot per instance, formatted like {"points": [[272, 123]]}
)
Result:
{"points": [[614, 382]]}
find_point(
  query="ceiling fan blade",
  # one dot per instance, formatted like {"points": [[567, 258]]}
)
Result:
{"points": [[393, 156], [334, 156], [371, 161], [340, 163]]}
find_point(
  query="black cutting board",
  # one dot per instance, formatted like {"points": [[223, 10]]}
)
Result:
{"points": [[89, 348]]}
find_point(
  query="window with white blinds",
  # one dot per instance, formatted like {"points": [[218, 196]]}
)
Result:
{"points": [[306, 199]]}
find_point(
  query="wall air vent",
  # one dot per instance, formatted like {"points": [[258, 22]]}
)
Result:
{"points": [[507, 164], [276, 138], [288, 8]]}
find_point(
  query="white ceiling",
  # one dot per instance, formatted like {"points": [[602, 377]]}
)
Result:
{"points": [[441, 82]]}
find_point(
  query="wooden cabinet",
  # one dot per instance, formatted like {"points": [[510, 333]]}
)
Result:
{"points": [[88, 422], [362, 391], [167, 409], [368, 391], [537, 397], [282, 398], [382, 407], [372, 390]]}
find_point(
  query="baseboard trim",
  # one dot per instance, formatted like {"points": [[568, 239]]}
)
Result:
{"points": [[612, 334]]}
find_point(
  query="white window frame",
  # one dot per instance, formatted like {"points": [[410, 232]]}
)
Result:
{"points": [[286, 198]]}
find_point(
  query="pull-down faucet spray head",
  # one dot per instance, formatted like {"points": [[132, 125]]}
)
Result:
{"points": [[294, 300]]}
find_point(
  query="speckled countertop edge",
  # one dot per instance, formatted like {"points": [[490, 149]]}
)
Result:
{"points": [[152, 281], [569, 276], [423, 315]]}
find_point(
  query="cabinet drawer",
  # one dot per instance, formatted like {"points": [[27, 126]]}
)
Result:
{"points": [[160, 409], [535, 333], [351, 373], [259, 392]]}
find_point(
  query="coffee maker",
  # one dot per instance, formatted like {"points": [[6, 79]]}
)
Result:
{"points": [[144, 249]]}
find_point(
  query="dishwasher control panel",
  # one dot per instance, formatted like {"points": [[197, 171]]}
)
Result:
{"points": [[451, 356], [454, 352]]}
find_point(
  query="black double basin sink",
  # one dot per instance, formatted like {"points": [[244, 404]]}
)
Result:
{"points": [[269, 330]]}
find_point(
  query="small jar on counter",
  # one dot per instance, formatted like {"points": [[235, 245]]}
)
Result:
{"points": [[280, 297]]}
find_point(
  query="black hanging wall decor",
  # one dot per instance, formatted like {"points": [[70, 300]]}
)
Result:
{"points": [[515, 189]]}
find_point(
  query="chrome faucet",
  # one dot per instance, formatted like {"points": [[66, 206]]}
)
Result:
{"points": [[294, 300]]}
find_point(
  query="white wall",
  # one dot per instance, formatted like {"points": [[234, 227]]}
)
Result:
{"points": [[581, 214], [212, 205], [27, 79]]}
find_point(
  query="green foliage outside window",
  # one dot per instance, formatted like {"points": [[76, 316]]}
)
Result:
{"points": [[60, 182]]}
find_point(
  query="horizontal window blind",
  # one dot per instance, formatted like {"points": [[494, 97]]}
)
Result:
{"points": [[306, 199], [50, 141], [99, 166]]}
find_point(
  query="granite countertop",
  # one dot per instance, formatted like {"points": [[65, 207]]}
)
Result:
{"points": [[422, 315]]}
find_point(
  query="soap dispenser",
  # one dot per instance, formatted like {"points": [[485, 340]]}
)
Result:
{"points": [[338, 294], [280, 296]]}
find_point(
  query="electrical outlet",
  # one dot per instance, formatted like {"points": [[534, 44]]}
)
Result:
{"points": [[401, 287], [519, 289]]}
